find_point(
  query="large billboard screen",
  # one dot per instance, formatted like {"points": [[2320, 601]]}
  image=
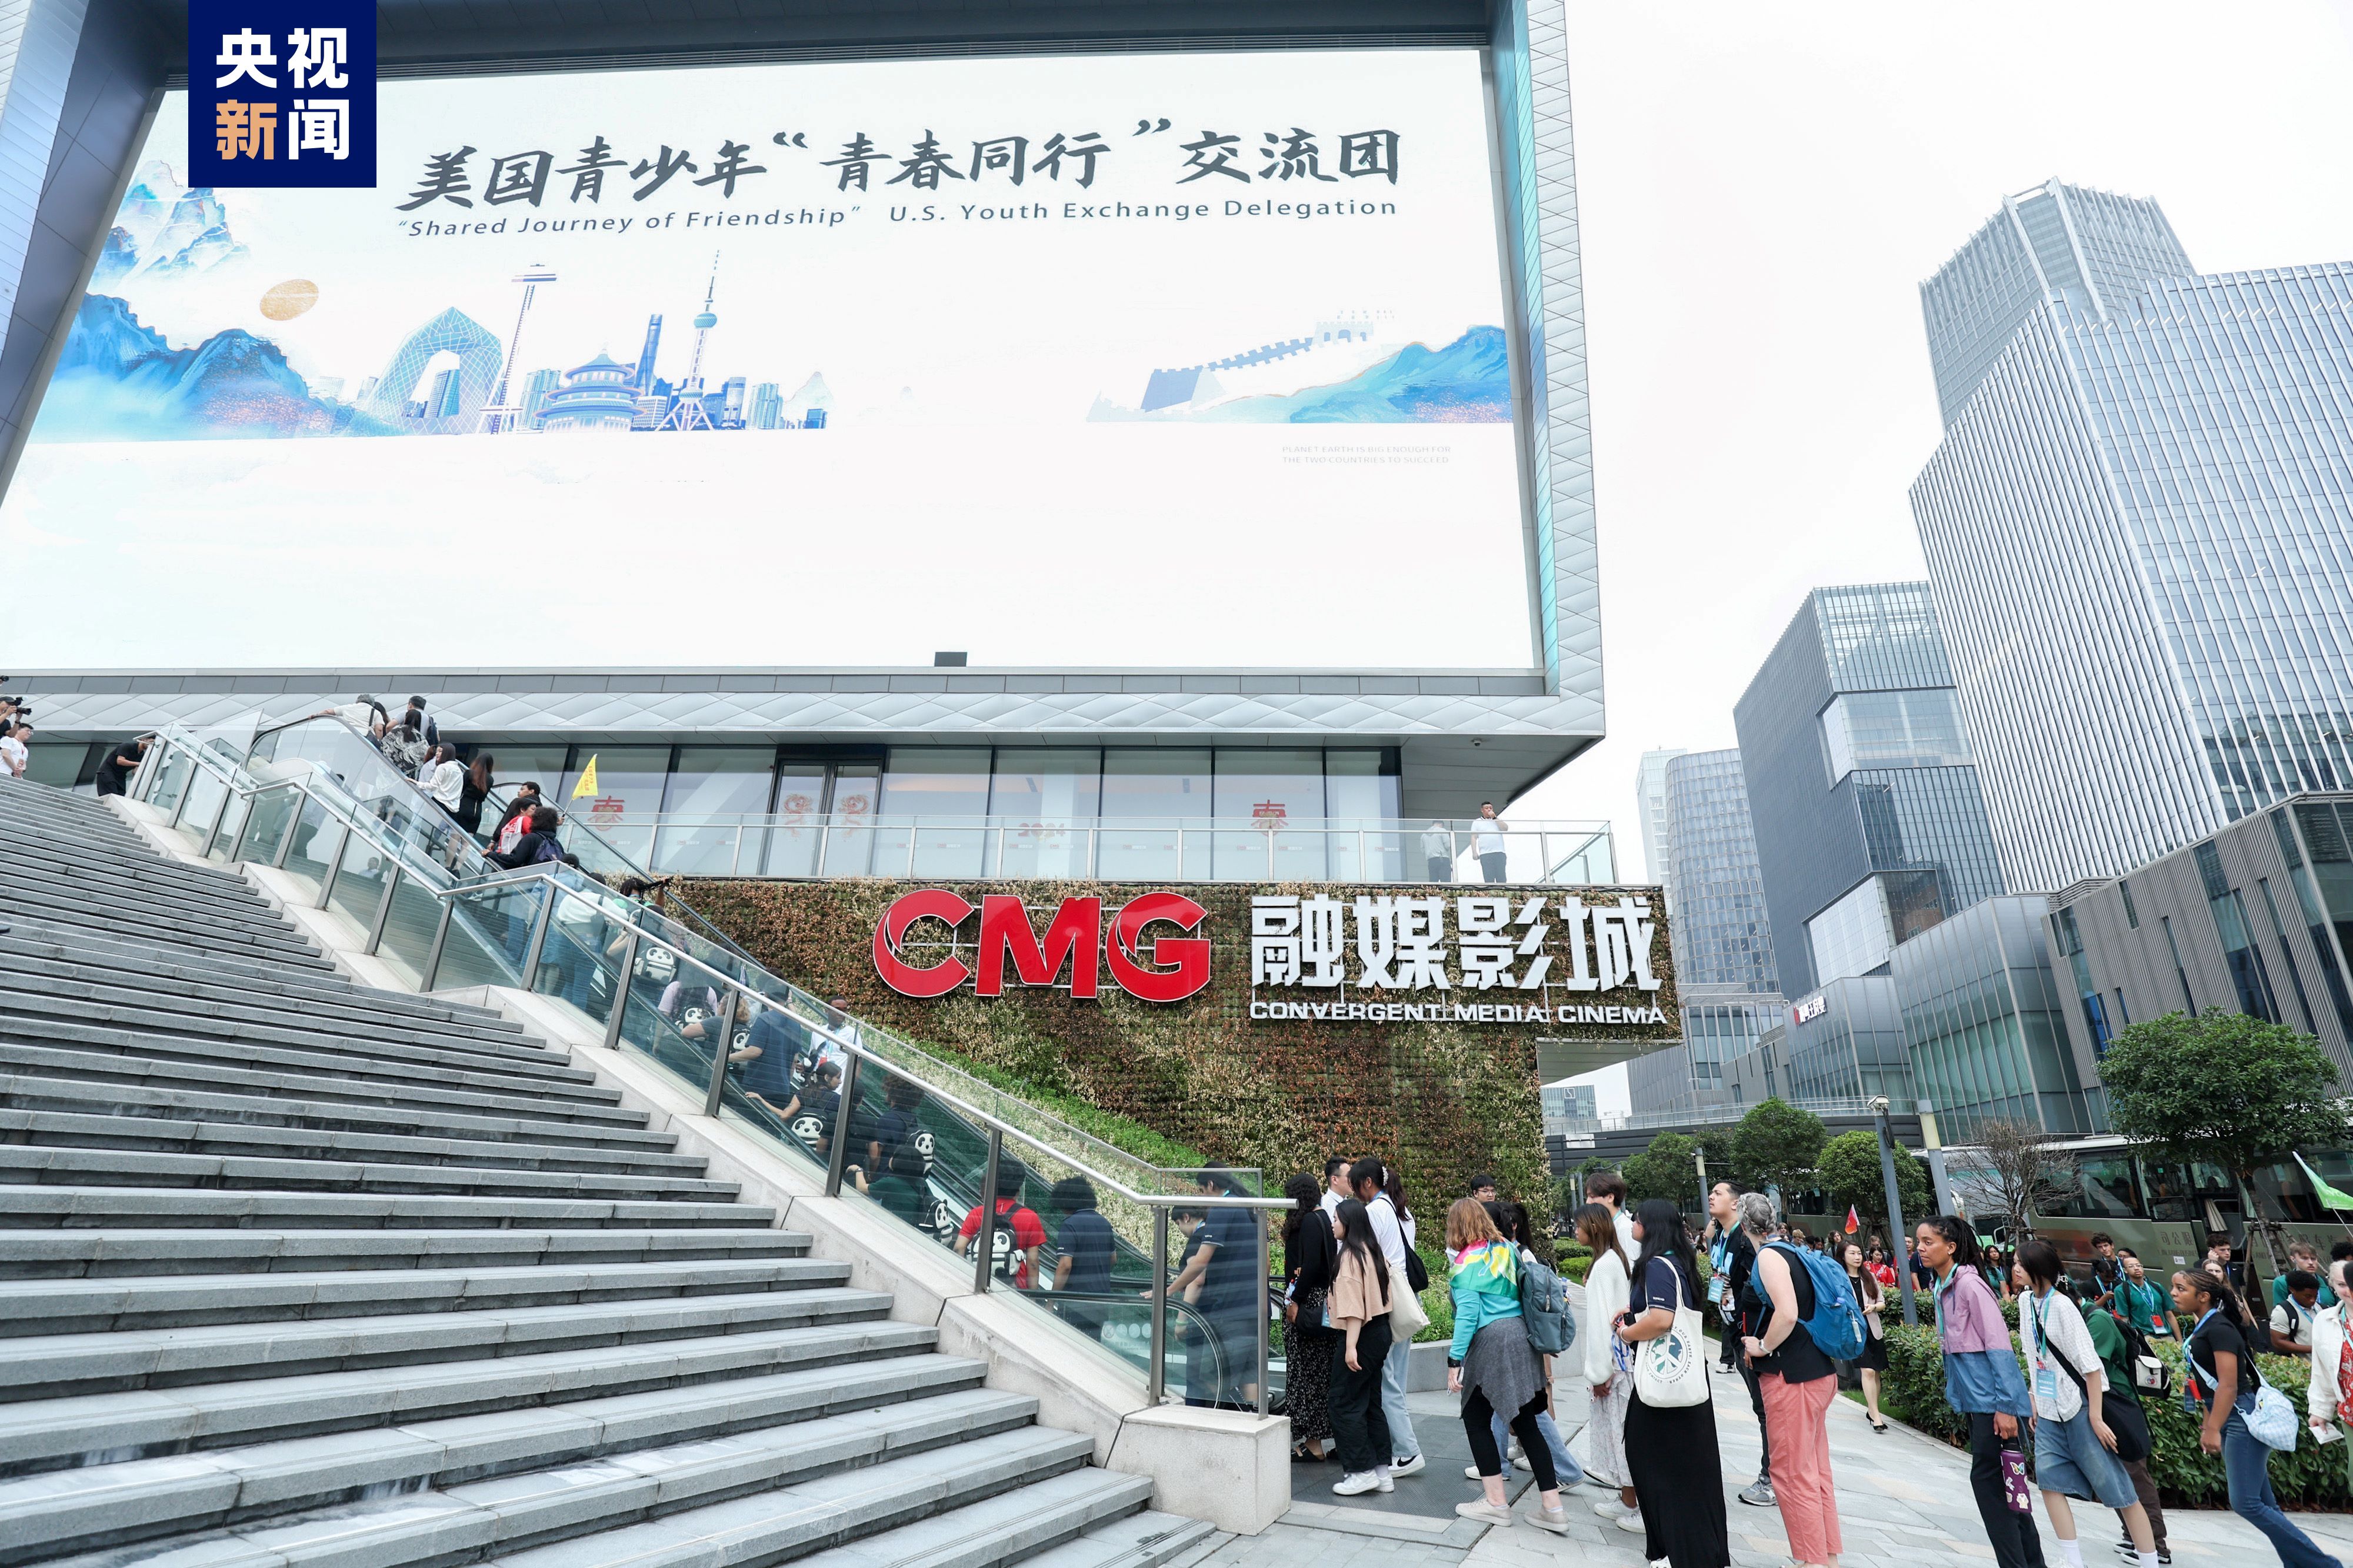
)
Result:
{"points": [[1146, 360]]}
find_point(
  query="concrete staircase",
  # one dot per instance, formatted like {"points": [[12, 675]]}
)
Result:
{"points": [[297, 1272]]}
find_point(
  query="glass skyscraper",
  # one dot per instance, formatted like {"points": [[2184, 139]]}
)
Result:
{"points": [[1723, 942], [1864, 800], [1985, 1021], [1658, 842], [2140, 530]]}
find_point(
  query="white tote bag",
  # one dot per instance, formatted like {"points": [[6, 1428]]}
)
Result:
{"points": [[1671, 1372], [1407, 1317]]}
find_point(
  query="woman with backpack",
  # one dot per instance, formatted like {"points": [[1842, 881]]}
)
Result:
{"points": [[1513, 1224], [1981, 1381], [1798, 1382], [2076, 1452], [1671, 1450], [1609, 1291], [2223, 1377], [1494, 1366]]}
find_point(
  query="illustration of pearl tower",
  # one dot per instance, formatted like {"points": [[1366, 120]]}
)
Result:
{"points": [[688, 413]]}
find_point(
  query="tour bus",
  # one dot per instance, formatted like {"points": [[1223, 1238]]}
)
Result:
{"points": [[2164, 1212]]}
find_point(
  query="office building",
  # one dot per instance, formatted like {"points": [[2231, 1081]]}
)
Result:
{"points": [[1723, 941], [2257, 919], [1865, 804], [1841, 1046], [1569, 1109], [2140, 530], [534, 395], [767, 406], [1658, 844], [1985, 1021]]}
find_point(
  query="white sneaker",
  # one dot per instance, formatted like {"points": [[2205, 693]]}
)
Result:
{"points": [[1632, 1523], [1352, 1486], [1484, 1512], [1609, 1508], [1522, 1460], [1381, 1474], [1556, 1521], [1414, 1465], [1470, 1472]]}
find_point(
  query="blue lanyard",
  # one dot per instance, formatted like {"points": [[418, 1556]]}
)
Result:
{"points": [[2041, 1335]]}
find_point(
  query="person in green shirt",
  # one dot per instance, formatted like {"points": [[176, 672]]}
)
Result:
{"points": [[2304, 1256], [2108, 1339], [2142, 1300]]}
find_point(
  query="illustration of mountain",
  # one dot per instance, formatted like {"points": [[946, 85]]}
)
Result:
{"points": [[118, 380], [813, 393], [166, 228], [1467, 382]]}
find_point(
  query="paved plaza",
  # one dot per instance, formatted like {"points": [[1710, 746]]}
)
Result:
{"points": [[1904, 1502]]}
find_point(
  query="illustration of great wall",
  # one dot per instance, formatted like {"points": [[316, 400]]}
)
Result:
{"points": [[1198, 382]]}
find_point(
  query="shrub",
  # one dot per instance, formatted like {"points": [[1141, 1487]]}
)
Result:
{"points": [[2312, 1477], [1565, 1250], [1577, 1269]]}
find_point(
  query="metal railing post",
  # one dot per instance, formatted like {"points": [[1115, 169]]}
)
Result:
{"points": [[294, 824], [237, 845], [440, 940], [1266, 1324], [382, 908], [837, 1159], [180, 808], [984, 1241], [621, 991], [720, 1049], [1155, 1370], [529, 976], [334, 866]]}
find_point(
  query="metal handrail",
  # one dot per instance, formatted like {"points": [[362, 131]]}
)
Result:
{"points": [[174, 738]]}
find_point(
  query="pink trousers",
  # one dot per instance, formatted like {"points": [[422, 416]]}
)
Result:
{"points": [[1796, 1415]]}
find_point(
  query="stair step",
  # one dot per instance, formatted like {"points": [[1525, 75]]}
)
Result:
{"points": [[258, 927], [119, 1070], [128, 1252], [32, 1091], [111, 1428], [114, 1303], [230, 1139], [110, 1504], [26, 1164], [955, 1508], [52, 1366], [74, 1207], [1146, 1539], [185, 942]]}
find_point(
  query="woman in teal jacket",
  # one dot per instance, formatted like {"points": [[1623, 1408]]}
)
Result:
{"points": [[1491, 1365]]}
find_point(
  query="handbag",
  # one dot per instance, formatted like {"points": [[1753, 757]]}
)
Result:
{"points": [[1671, 1372], [2130, 1423], [2272, 1420], [2015, 1492], [1407, 1317]]}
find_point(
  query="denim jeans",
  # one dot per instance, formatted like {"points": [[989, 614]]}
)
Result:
{"points": [[1564, 1463], [1403, 1444], [2246, 1467]]}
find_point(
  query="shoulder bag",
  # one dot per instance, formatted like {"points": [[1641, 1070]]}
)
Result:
{"points": [[1407, 1317], [1671, 1372]]}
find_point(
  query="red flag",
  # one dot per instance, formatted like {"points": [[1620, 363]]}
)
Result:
{"points": [[1854, 1221]]}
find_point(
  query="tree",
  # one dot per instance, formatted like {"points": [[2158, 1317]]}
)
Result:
{"points": [[1717, 1146], [1776, 1144], [1848, 1173], [2225, 1089], [1665, 1170], [2024, 1171]]}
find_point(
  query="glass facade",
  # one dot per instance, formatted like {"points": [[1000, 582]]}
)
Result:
{"points": [[1658, 838], [2150, 486], [1721, 934], [1981, 1015], [1850, 1047], [1869, 818]]}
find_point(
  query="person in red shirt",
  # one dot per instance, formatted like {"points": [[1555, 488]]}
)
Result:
{"points": [[1879, 1268], [1018, 1234]]}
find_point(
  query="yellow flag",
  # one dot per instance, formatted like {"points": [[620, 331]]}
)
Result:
{"points": [[587, 785]]}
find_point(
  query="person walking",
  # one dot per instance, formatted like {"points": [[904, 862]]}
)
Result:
{"points": [[1608, 1372], [1739, 1260], [1309, 1254], [1487, 839], [1495, 1369], [1360, 1315], [1083, 1242], [474, 792], [1981, 1379], [1383, 1193], [2075, 1447], [2222, 1377], [1872, 1364], [1798, 1382], [443, 776], [2141, 1301], [1671, 1454], [2329, 1396], [2120, 1407]]}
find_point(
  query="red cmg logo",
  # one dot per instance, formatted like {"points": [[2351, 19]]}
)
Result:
{"points": [[1158, 968]]}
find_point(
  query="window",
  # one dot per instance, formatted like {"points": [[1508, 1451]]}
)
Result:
{"points": [[2124, 1018], [1851, 936], [627, 796], [2070, 944], [2103, 1188], [1893, 730], [2322, 886], [2287, 953], [2247, 974], [2189, 1002], [711, 791], [2132, 915], [1149, 794], [1043, 802]]}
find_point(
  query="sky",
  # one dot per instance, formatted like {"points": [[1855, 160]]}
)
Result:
{"points": [[1762, 185]]}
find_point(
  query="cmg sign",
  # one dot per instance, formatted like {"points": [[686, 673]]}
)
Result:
{"points": [[1153, 968]]}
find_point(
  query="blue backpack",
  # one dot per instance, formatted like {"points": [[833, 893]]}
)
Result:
{"points": [[1544, 1308], [1836, 1325]]}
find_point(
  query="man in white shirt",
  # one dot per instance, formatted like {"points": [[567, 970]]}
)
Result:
{"points": [[2292, 1320], [1487, 839], [1608, 1188], [1367, 1177], [1336, 1182], [15, 755]]}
